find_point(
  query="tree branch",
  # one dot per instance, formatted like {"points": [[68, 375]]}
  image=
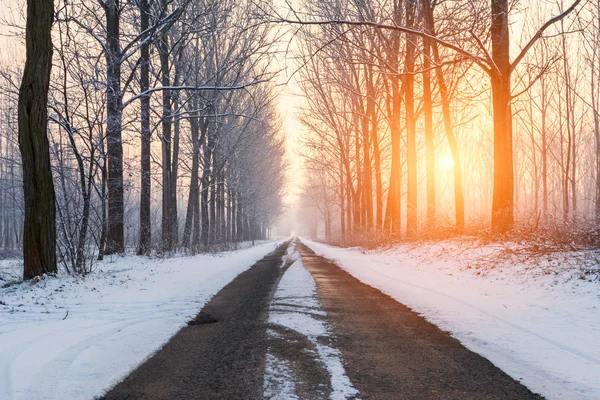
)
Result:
{"points": [[540, 32]]}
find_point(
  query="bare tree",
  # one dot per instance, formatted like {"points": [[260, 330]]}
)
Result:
{"points": [[39, 230]]}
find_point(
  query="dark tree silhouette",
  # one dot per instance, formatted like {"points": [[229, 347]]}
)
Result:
{"points": [[145, 193], [39, 234]]}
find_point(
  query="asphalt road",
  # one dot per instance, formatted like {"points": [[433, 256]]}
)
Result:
{"points": [[389, 352], [219, 360]]}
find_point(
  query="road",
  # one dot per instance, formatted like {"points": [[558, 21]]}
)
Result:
{"points": [[366, 346]]}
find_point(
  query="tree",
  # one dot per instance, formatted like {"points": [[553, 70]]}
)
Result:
{"points": [[115, 242], [496, 63], [39, 230], [145, 192], [101, 102]]}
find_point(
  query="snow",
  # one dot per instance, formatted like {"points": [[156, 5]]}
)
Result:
{"points": [[537, 319], [73, 338], [279, 379], [295, 306]]}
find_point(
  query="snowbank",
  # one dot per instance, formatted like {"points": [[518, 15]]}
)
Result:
{"points": [[72, 338], [539, 325]]}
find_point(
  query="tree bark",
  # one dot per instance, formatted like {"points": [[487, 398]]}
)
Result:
{"points": [[213, 197], [411, 127], [145, 184], [358, 220], [166, 220], [175, 157], [103, 222], [191, 215], [39, 231], [207, 157], [428, 117], [115, 242], [367, 173], [342, 203], [459, 200], [372, 112], [233, 217], [503, 197], [393, 214], [174, 175]]}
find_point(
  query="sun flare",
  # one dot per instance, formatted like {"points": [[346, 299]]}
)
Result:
{"points": [[445, 162]]}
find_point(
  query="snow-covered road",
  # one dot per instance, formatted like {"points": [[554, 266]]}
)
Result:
{"points": [[71, 338], [542, 331]]}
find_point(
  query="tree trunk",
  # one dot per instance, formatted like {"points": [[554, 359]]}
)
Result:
{"points": [[166, 220], [174, 173], [411, 127], [233, 217], [536, 180], [191, 215], [393, 208], [39, 231], [544, 154], [221, 210], [175, 157], [358, 220], [372, 113], [459, 201], [349, 189], [103, 222], [239, 220], [393, 216], [503, 197], [342, 204], [428, 116], [207, 156], [115, 242], [228, 225], [145, 185], [212, 204], [367, 175]]}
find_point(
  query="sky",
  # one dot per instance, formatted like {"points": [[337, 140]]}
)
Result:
{"points": [[288, 106]]}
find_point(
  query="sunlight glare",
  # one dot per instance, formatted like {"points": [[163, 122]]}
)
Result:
{"points": [[445, 162]]}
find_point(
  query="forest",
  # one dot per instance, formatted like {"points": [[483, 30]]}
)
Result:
{"points": [[300, 199], [162, 127], [431, 119], [417, 119]]}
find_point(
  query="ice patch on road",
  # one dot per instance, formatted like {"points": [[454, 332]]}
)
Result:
{"points": [[295, 306]]}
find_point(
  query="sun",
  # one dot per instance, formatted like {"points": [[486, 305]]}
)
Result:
{"points": [[445, 162]]}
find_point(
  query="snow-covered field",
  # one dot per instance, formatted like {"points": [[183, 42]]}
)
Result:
{"points": [[70, 338], [538, 320]]}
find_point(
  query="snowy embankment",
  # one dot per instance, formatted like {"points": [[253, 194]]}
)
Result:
{"points": [[72, 338], [537, 321]]}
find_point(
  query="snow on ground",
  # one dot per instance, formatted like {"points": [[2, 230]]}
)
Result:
{"points": [[539, 321], [279, 379], [295, 306], [71, 338]]}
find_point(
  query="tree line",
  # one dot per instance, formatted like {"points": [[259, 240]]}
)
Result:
{"points": [[426, 117], [160, 117]]}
